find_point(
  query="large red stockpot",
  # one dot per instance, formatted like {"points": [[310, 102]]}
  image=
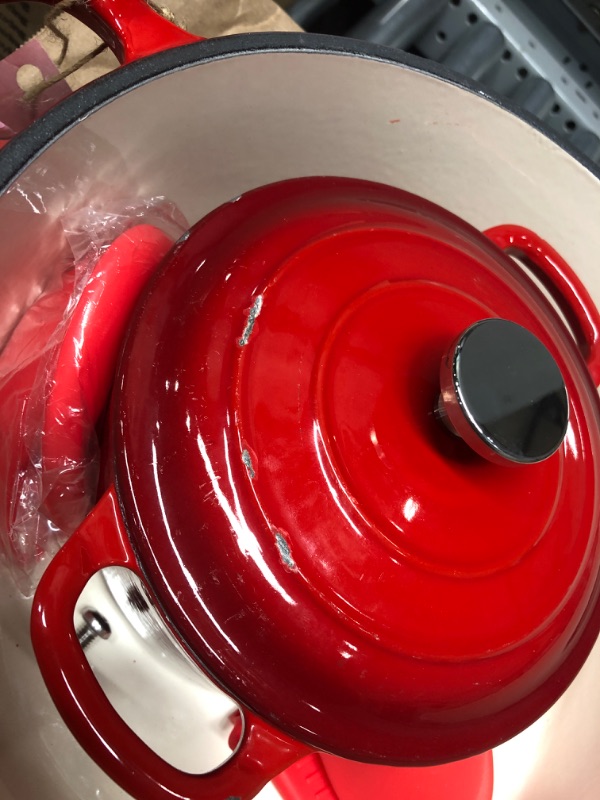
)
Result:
{"points": [[281, 472]]}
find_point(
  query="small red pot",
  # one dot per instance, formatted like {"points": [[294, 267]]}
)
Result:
{"points": [[289, 484]]}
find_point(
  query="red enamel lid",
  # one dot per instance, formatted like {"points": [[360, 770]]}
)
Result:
{"points": [[336, 557]]}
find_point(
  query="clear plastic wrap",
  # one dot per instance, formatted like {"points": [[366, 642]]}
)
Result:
{"points": [[62, 337]]}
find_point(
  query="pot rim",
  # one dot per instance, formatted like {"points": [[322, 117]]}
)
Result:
{"points": [[21, 151]]}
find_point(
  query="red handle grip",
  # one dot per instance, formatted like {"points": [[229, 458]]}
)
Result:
{"points": [[101, 542], [561, 282], [130, 28], [85, 364]]}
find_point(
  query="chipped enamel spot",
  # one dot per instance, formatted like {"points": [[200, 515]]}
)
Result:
{"points": [[252, 315], [183, 238], [284, 551], [247, 459]]}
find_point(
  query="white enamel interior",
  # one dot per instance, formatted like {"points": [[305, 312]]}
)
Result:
{"points": [[206, 134]]}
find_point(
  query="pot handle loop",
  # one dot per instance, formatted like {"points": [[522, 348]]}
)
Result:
{"points": [[563, 285], [131, 28], [102, 541]]}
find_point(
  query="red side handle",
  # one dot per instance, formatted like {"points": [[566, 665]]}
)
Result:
{"points": [[130, 28], [561, 282], [307, 780], [100, 542], [85, 365]]}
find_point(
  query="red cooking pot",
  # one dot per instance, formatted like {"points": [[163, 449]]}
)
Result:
{"points": [[350, 440]]}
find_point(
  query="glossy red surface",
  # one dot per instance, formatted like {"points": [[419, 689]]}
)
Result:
{"points": [[85, 364], [80, 375], [562, 283], [131, 28], [323, 777], [336, 559], [103, 541]]}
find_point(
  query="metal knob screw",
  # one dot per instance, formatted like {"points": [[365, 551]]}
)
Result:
{"points": [[95, 626], [503, 393]]}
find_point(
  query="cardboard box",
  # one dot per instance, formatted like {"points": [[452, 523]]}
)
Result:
{"points": [[80, 56]]}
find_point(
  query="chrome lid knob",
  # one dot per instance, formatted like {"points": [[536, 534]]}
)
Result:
{"points": [[503, 393]]}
